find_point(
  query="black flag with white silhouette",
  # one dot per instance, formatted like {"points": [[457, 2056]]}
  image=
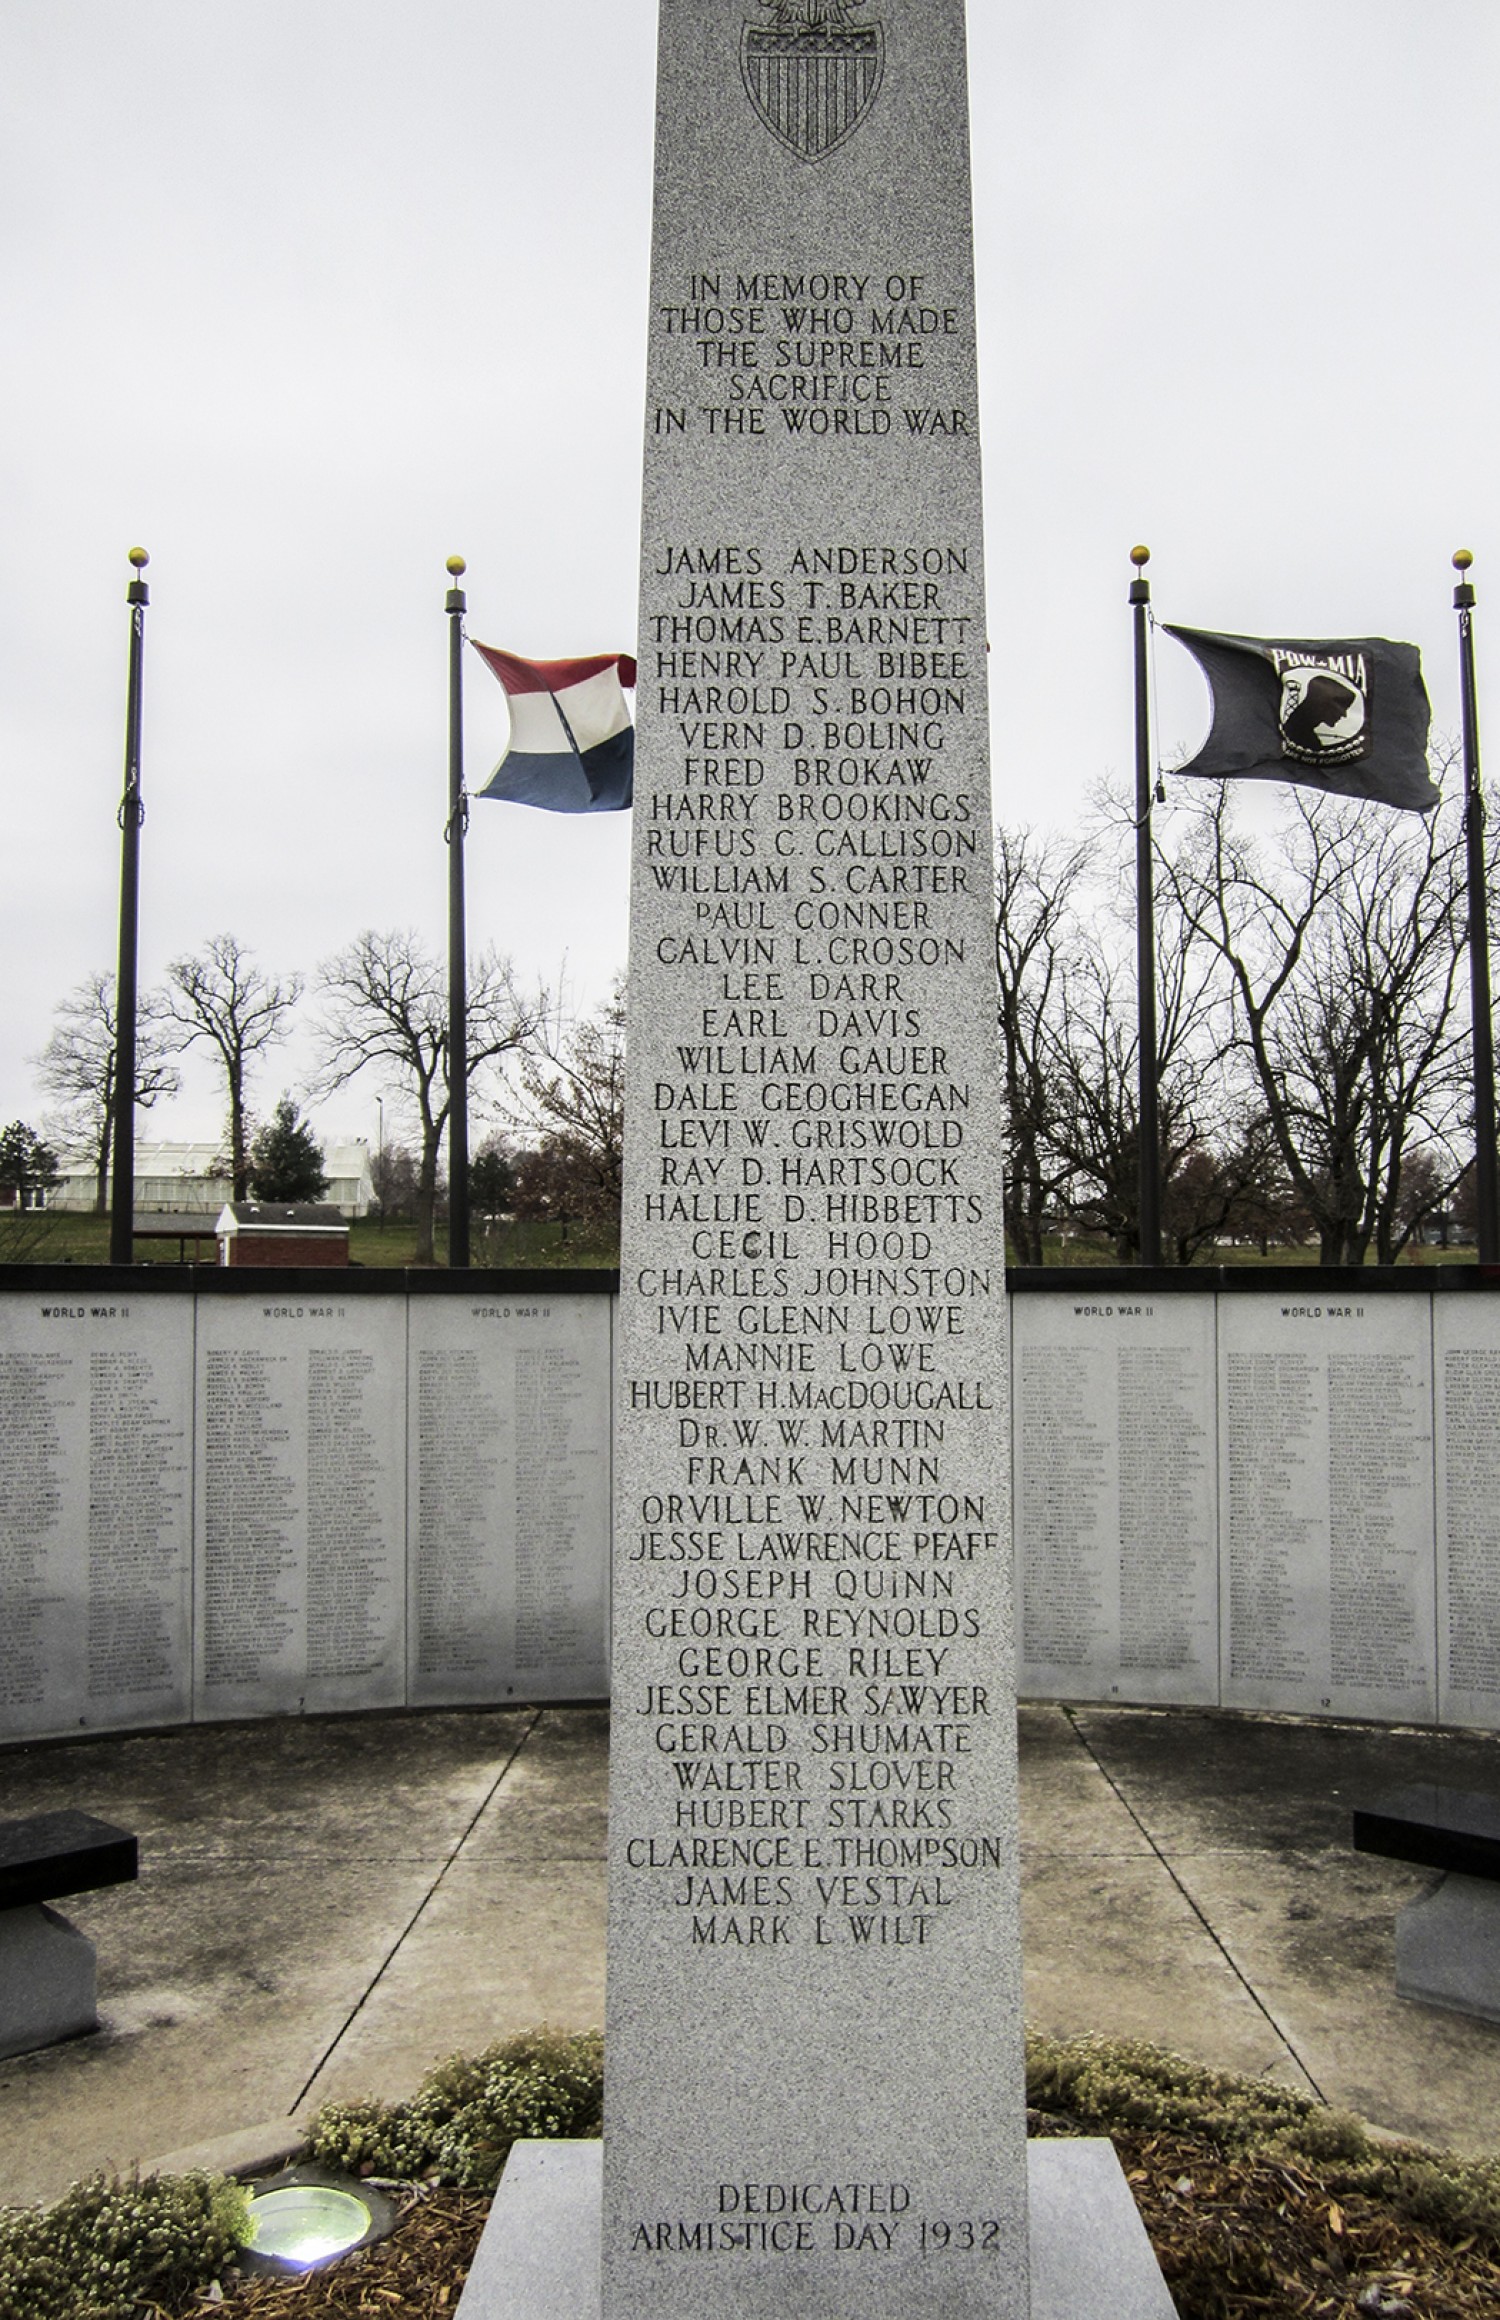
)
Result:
{"points": [[1348, 716]]}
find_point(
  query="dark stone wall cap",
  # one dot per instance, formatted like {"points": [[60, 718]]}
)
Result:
{"points": [[117, 1281], [1306, 1282], [48, 1855], [1456, 1829]]}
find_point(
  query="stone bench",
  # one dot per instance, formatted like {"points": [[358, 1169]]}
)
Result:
{"points": [[48, 1969], [1447, 1940]]}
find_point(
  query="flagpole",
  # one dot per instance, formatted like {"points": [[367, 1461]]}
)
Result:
{"points": [[458, 1012], [130, 817], [1149, 1163], [1479, 929]]}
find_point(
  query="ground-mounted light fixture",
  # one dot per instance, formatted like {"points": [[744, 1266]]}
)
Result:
{"points": [[306, 2217]]}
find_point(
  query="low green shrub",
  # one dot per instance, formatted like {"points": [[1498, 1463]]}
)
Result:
{"points": [[459, 2125], [108, 2247], [1119, 2082]]}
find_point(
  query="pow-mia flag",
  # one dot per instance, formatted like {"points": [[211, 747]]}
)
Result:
{"points": [[1349, 716]]}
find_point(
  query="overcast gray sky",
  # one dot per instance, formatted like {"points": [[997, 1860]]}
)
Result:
{"points": [[309, 295]]}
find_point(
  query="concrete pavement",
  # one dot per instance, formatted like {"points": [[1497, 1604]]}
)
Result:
{"points": [[326, 1907]]}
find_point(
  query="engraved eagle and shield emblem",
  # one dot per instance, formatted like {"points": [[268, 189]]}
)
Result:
{"points": [[812, 73]]}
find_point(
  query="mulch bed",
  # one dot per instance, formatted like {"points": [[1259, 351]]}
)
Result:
{"points": [[1259, 2239], [1238, 2239]]}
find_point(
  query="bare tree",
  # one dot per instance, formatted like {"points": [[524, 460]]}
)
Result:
{"points": [[393, 1179], [1037, 937], [553, 1183], [1069, 1037], [1089, 1058], [1095, 1088], [1070, 1033], [386, 1008], [1344, 945], [1312, 1036], [1462, 1210], [1429, 1196], [77, 1068], [1232, 1189], [570, 1094], [221, 998]]}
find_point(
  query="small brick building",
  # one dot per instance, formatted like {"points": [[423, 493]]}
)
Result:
{"points": [[265, 1232]]}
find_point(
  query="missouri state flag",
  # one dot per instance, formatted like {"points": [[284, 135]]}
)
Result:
{"points": [[1349, 715], [572, 744]]}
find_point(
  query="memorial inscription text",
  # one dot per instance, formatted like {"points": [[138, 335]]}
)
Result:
{"points": [[822, 1668]]}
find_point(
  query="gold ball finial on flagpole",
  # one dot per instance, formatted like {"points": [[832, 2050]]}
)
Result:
{"points": [[1140, 557], [139, 558], [1462, 559], [456, 566]]}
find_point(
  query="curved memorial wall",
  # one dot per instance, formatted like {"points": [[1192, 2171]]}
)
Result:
{"points": [[228, 1495], [1273, 1488], [1268, 1488]]}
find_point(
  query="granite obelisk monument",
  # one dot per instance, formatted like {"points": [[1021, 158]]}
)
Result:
{"points": [[814, 2101], [814, 2106]]}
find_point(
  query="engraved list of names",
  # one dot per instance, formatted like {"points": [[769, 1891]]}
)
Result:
{"points": [[96, 1400], [813, 1935]]}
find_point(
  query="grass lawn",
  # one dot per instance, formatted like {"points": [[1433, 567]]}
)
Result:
{"points": [[1078, 1250], [66, 1239], [499, 1244]]}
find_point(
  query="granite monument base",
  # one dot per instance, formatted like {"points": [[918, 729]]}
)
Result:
{"points": [[48, 1980], [539, 2257], [1448, 1947]]}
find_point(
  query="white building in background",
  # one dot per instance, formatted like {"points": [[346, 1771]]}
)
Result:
{"points": [[181, 1179]]}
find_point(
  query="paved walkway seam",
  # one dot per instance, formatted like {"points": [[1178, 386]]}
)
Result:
{"points": [[1247, 1986], [398, 1944]]}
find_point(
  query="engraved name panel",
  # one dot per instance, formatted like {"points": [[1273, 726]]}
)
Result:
{"points": [[508, 1498], [1116, 1488], [300, 1531], [1326, 1477], [96, 1401]]}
